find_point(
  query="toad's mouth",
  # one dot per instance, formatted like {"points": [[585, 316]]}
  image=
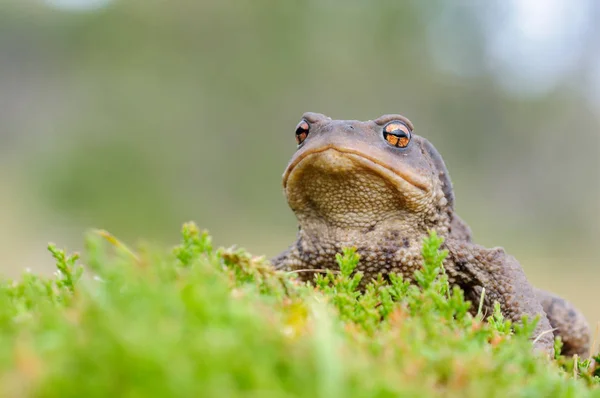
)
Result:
{"points": [[360, 160]]}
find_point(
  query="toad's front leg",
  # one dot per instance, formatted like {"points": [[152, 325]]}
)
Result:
{"points": [[474, 267]]}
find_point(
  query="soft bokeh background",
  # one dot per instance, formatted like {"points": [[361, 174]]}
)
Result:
{"points": [[135, 116]]}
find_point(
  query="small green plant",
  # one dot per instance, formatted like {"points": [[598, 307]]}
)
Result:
{"points": [[199, 321], [68, 271]]}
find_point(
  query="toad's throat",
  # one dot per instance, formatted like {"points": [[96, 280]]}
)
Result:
{"points": [[345, 189], [366, 161]]}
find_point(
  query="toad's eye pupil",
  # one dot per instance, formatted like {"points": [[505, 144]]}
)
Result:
{"points": [[397, 134], [302, 131]]}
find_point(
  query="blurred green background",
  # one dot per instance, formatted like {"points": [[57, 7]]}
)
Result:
{"points": [[136, 116]]}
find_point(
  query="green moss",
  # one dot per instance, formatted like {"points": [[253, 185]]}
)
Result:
{"points": [[200, 321]]}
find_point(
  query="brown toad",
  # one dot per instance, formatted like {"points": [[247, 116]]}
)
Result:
{"points": [[378, 187]]}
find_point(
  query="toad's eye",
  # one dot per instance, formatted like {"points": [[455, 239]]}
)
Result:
{"points": [[302, 131], [397, 134]]}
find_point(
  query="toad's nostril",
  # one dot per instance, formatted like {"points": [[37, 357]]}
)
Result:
{"points": [[349, 127]]}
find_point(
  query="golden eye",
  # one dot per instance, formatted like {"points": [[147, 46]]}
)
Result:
{"points": [[397, 134], [302, 131]]}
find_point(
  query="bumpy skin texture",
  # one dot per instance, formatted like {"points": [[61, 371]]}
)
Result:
{"points": [[348, 186]]}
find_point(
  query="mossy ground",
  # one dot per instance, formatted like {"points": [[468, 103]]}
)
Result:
{"points": [[199, 321]]}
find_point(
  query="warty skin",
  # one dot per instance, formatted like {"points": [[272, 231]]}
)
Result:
{"points": [[379, 187]]}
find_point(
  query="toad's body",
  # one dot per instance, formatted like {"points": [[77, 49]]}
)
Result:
{"points": [[378, 187]]}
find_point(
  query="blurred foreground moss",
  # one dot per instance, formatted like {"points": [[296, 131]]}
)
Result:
{"points": [[212, 322]]}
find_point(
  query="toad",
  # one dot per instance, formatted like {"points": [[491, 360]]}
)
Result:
{"points": [[379, 187]]}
